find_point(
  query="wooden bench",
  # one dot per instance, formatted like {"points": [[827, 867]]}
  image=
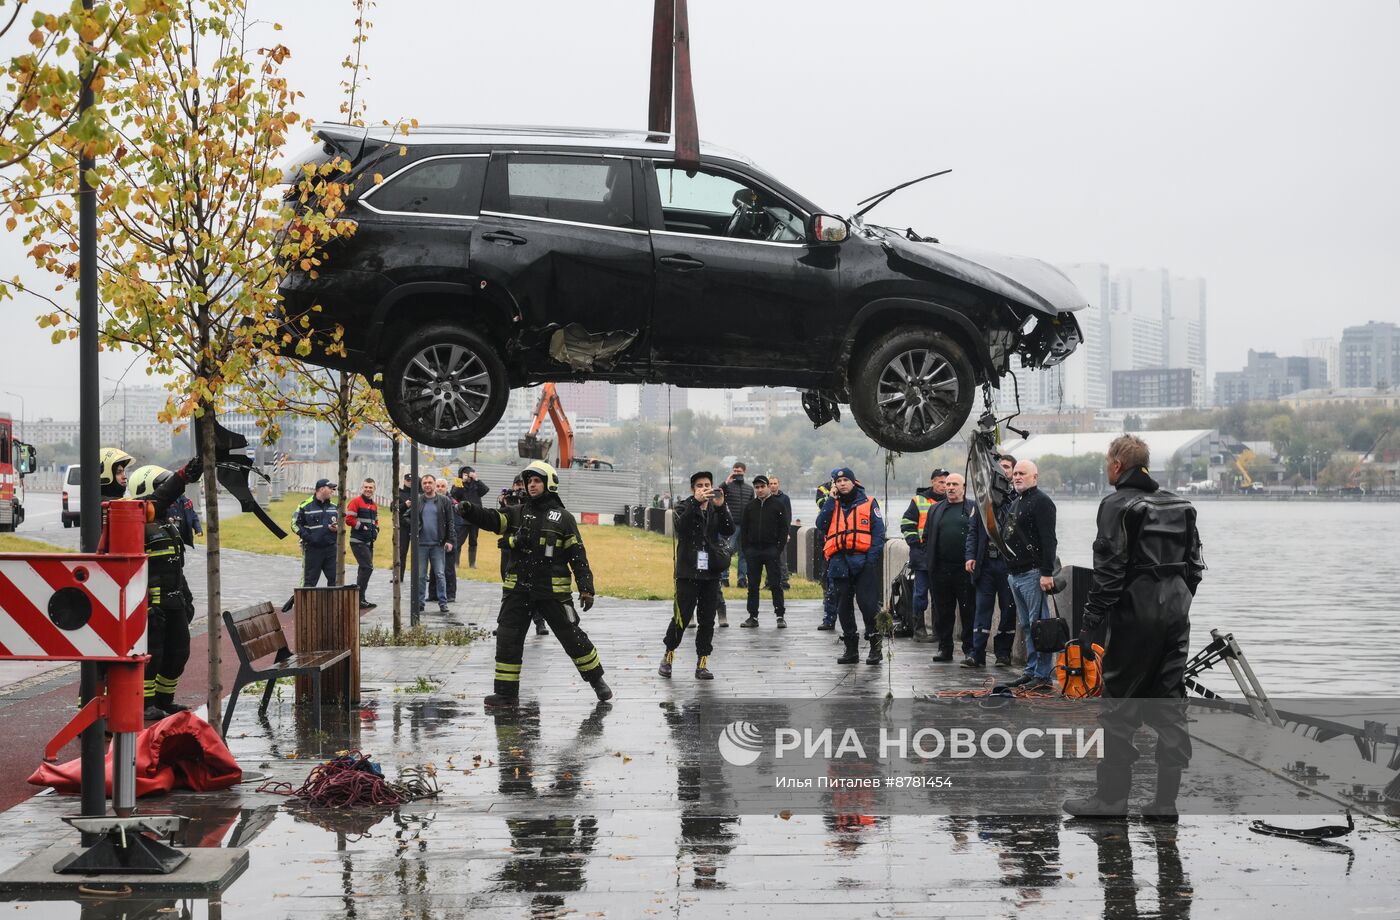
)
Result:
{"points": [[256, 632]]}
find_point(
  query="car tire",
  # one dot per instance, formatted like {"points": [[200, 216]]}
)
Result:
{"points": [[913, 389], [445, 386]]}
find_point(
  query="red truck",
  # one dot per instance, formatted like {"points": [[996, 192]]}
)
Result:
{"points": [[16, 462]]}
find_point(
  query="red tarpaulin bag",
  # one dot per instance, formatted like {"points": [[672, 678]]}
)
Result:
{"points": [[179, 752]]}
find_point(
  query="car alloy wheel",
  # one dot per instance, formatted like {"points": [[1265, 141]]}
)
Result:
{"points": [[446, 386], [912, 389], [917, 391]]}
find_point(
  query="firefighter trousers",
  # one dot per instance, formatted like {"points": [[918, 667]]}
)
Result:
{"points": [[699, 599], [513, 625], [168, 644]]}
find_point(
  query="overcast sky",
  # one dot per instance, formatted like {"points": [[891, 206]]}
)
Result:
{"points": [[1250, 143]]}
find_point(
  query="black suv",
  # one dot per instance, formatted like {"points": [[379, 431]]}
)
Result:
{"points": [[486, 258]]}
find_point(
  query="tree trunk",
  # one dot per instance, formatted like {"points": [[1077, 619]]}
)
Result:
{"points": [[342, 470], [392, 500], [212, 567]]}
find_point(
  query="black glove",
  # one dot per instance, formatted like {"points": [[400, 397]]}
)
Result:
{"points": [[1086, 640], [585, 600], [192, 471]]}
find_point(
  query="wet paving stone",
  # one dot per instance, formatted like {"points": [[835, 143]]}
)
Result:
{"points": [[571, 808]]}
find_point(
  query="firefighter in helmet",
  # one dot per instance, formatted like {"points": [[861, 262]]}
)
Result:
{"points": [[170, 605], [545, 547], [114, 462]]}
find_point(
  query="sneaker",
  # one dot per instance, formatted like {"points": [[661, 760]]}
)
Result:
{"points": [[970, 662], [826, 627], [750, 623], [442, 608], [452, 599], [602, 690], [942, 657], [1040, 685], [1003, 661], [702, 670], [781, 624], [541, 629], [743, 582], [290, 601], [366, 605], [1023, 680], [665, 669], [500, 701]]}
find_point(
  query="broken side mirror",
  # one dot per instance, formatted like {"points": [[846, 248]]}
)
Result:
{"points": [[824, 228]]}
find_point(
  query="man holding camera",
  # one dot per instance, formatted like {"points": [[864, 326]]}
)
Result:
{"points": [[1147, 566], [702, 525]]}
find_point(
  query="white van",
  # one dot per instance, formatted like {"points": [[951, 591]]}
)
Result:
{"points": [[72, 494]]}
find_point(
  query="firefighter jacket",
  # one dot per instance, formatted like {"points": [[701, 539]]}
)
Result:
{"points": [[362, 517], [855, 533], [911, 526], [702, 529], [1147, 556], [165, 567], [544, 544], [314, 521]]}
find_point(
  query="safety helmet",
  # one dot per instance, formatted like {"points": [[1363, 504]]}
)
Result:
{"points": [[110, 458], [544, 471], [144, 481]]}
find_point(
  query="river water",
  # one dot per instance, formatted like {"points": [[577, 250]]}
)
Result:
{"points": [[1310, 590]]}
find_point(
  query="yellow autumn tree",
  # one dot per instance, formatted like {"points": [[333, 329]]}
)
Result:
{"points": [[196, 221]]}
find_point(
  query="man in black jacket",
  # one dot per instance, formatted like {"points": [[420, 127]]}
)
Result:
{"points": [[764, 533], [471, 491], [405, 510], [945, 542], [775, 490], [1147, 566], [737, 495], [1030, 527], [990, 584], [702, 524]]}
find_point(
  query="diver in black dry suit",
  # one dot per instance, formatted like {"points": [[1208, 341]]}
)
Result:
{"points": [[1147, 564]]}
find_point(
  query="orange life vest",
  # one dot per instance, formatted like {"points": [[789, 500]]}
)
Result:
{"points": [[849, 530]]}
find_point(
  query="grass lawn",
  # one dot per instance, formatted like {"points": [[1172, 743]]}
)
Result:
{"points": [[626, 562], [9, 543]]}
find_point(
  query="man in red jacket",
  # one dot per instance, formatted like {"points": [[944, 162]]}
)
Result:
{"points": [[362, 517]]}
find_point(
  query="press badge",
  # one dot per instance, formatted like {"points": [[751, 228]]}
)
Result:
{"points": [[702, 561]]}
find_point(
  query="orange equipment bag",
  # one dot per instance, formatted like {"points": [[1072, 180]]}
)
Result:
{"points": [[1080, 675]]}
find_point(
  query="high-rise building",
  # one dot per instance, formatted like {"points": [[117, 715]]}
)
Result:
{"points": [[1267, 377], [590, 399], [1370, 355], [1084, 375], [1329, 351], [1157, 388], [659, 401], [1159, 321]]}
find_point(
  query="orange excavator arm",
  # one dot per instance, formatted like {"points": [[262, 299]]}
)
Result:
{"points": [[535, 448]]}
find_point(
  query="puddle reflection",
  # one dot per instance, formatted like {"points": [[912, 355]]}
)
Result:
{"points": [[1118, 879], [708, 834]]}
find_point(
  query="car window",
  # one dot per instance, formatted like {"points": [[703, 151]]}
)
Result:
{"points": [[713, 203], [75, 476], [437, 186], [590, 190]]}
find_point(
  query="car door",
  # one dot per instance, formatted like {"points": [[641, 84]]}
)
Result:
{"points": [[741, 297], [566, 236]]}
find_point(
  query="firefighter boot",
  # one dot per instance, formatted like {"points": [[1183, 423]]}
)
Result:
{"points": [[153, 712], [666, 660], [1163, 807], [501, 701], [702, 669], [876, 655], [852, 650], [166, 703], [1110, 799], [602, 690]]}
